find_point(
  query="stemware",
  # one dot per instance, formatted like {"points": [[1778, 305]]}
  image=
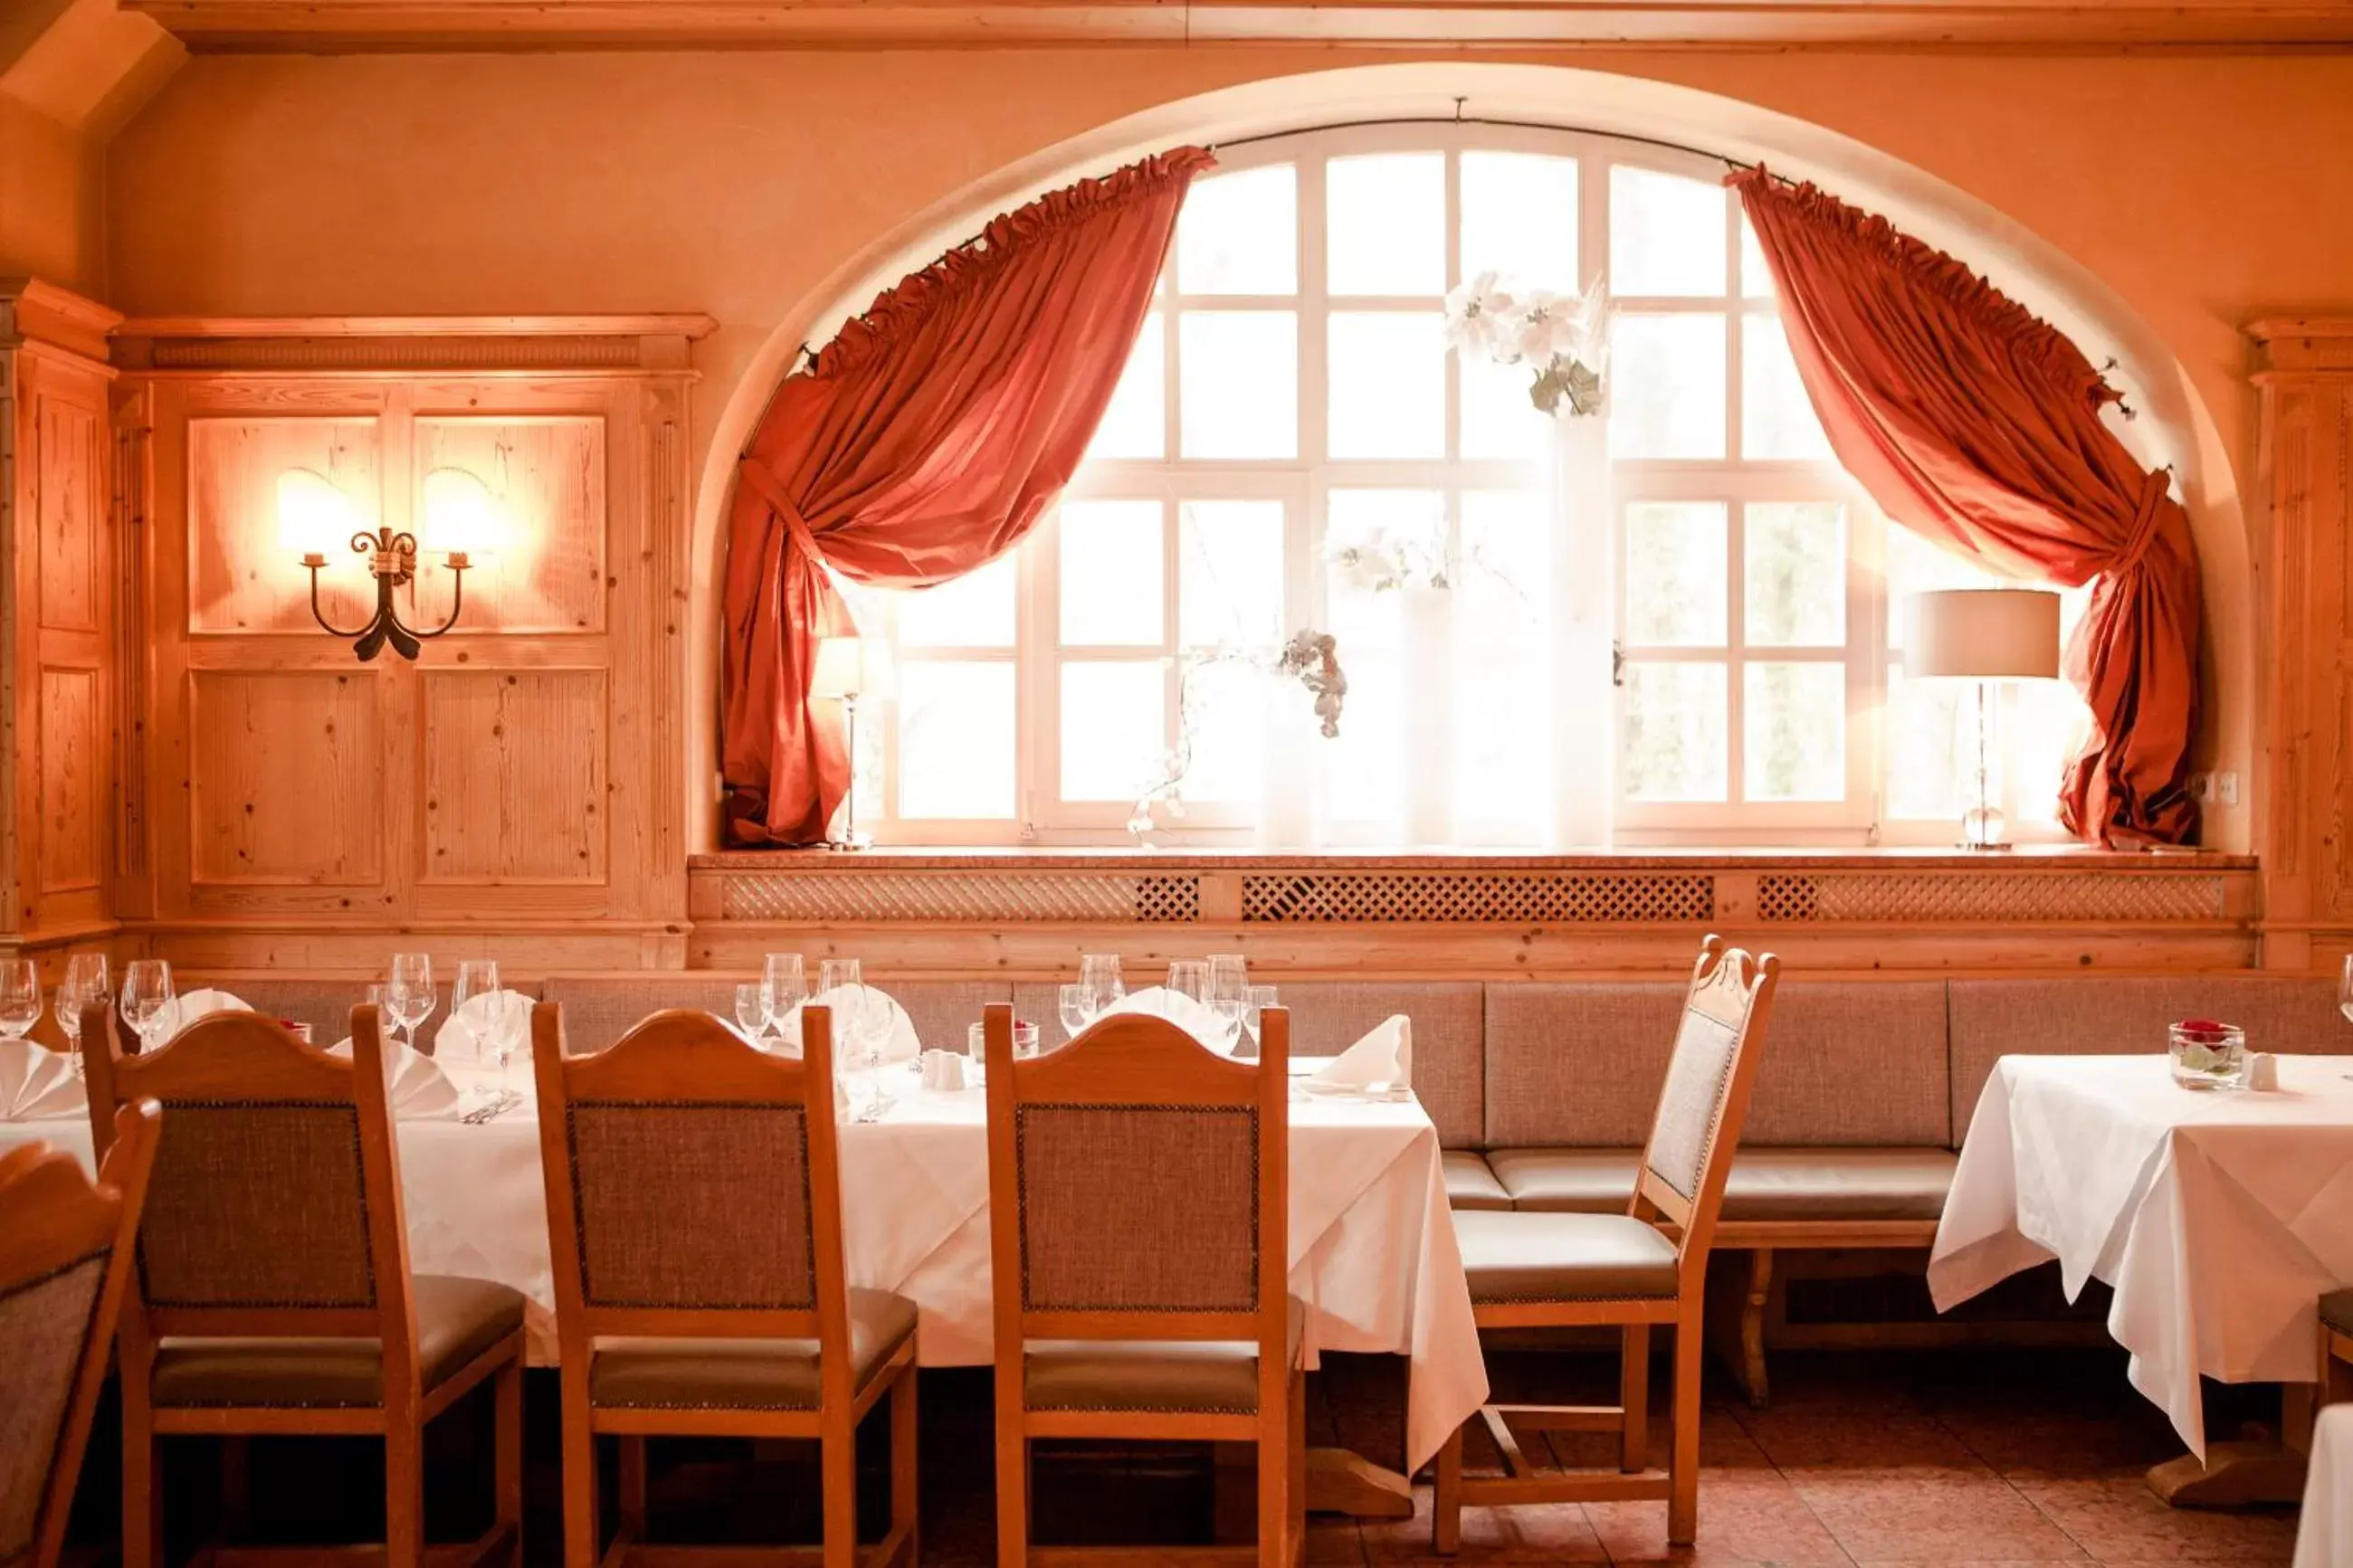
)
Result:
{"points": [[836, 972], [146, 992], [1099, 977], [784, 985], [86, 983], [1229, 996], [1258, 999], [20, 997], [2344, 990], [1071, 1000], [1189, 978], [409, 993], [752, 1009], [480, 977]]}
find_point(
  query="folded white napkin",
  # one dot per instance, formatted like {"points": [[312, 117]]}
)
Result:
{"points": [[36, 1082], [413, 1081], [1195, 1018], [182, 1011], [1384, 1057], [479, 1019], [853, 1005]]}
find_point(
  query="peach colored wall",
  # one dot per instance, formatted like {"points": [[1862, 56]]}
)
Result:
{"points": [[52, 201], [2203, 191]]}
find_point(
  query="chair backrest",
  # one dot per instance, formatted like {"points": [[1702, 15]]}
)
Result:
{"points": [[1705, 1097], [276, 1207], [65, 1256], [1138, 1186], [693, 1188]]}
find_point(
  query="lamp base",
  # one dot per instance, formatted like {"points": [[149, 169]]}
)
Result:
{"points": [[1984, 828], [854, 841]]}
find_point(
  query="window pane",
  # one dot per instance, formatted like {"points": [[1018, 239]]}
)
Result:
{"points": [[1666, 394], [1111, 572], [955, 740], [1504, 586], [1793, 731], [974, 610], [1501, 700], [1498, 419], [1519, 219], [1237, 234], [1133, 426], [1932, 747], [1388, 389], [2050, 724], [1777, 418], [1795, 579], [1675, 575], [1238, 384], [1366, 534], [1225, 719], [1115, 732], [1666, 234], [1672, 745], [1386, 228], [1364, 764], [1756, 277], [1230, 573]]}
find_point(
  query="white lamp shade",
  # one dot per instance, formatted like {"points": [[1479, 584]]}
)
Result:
{"points": [[852, 666], [314, 518], [460, 515], [1983, 633]]}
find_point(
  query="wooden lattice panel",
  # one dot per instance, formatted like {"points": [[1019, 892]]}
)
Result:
{"points": [[1927, 898], [986, 897], [1441, 898]]}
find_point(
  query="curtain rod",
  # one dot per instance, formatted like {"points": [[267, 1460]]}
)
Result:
{"points": [[1461, 119]]}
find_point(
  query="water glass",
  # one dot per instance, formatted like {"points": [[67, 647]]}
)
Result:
{"points": [[1228, 995], [480, 977], [784, 985], [20, 997], [752, 1010], [1071, 1001], [86, 983], [409, 992], [2206, 1055], [1260, 997], [1025, 1039], [2344, 989], [146, 992], [836, 972], [1189, 977], [1099, 977]]}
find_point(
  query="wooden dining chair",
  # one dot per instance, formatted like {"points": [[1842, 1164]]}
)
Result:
{"points": [[1646, 1266], [2336, 1346], [1138, 1199], [695, 1210], [273, 1292], [65, 1259]]}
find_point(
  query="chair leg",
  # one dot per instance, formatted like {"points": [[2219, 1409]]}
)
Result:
{"points": [[837, 1463], [1275, 1529], [236, 1488], [404, 1491], [142, 1485], [1682, 1467], [1298, 1461], [905, 1513], [1012, 1493], [580, 1546], [1446, 1497], [1634, 1394], [632, 1480], [506, 1447]]}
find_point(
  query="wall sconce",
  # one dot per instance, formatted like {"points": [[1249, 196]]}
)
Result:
{"points": [[458, 516]]}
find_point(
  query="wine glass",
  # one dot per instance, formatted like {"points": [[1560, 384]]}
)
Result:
{"points": [[86, 983], [146, 992], [836, 972], [1228, 995], [479, 977], [784, 985], [20, 997], [1257, 999], [1189, 978], [1072, 1001], [752, 1009], [409, 993], [1099, 978]]}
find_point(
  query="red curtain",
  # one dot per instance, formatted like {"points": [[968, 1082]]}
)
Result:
{"points": [[924, 441], [1979, 425]]}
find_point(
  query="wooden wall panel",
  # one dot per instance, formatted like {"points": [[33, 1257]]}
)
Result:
{"points": [[286, 778], [71, 487], [73, 781], [547, 474], [514, 776], [238, 578]]}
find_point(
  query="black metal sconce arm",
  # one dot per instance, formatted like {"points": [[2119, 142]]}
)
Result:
{"points": [[395, 563]]}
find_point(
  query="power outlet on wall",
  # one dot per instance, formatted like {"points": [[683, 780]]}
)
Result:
{"points": [[2215, 788]]}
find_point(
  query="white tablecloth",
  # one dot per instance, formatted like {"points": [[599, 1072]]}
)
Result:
{"points": [[2324, 1536], [1372, 1244], [2220, 1218]]}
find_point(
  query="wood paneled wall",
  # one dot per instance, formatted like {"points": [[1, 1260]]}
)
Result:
{"points": [[521, 778], [57, 701]]}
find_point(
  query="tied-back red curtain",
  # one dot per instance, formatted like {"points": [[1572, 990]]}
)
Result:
{"points": [[923, 442], [1977, 425]]}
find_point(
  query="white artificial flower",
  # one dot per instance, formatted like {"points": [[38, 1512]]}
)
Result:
{"points": [[1478, 313]]}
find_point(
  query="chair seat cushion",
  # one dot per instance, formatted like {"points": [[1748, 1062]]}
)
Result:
{"points": [[1216, 1377], [743, 1374], [2336, 1310], [1765, 1184], [1536, 1256], [457, 1320], [1469, 1184]]}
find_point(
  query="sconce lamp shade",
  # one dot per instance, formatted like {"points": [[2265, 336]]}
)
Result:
{"points": [[460, 516], [314, 518], [852, 666], [1983, 633]]}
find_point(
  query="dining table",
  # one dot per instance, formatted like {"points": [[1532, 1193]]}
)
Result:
{"points": [[1372, 1254], [2218, 1216]]}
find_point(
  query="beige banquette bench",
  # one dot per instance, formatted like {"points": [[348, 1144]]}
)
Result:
{"points": [[1542, 1091]]}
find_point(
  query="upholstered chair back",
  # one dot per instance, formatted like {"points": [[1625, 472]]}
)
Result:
{"points": [[1705, 1097]]}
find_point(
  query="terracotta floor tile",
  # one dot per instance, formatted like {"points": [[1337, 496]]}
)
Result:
{"points": [[1896, 1515], [1548, 1532], [2119, 1518], [2043, 1447], [1747, 1519], [1878, 1439]]}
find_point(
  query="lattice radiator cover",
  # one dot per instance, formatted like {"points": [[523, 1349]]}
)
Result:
{"points": [[1922, 898], [1436, 898], [985, 897]]}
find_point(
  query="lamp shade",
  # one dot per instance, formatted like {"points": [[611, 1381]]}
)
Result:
{"points": [[852, 666], [314, 518], [1983, 633], [459, 514]]}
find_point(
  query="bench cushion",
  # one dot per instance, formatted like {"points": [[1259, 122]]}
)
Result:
{"points": [[1765, 1185], [1469, 1184], [743, 1374], [1846, 1064], [1533, 1256], [2126, 1016]]}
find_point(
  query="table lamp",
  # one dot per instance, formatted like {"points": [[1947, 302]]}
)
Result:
{"points": [[850, 668], [1985, 635]]}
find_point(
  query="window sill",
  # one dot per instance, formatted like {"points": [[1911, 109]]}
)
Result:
{"points": [[1120, 857]]}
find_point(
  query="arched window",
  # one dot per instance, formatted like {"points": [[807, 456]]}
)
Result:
{"points": [[1292, 437]]}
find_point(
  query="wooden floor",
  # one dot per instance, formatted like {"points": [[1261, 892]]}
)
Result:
{"points": [[1957, 1459]]}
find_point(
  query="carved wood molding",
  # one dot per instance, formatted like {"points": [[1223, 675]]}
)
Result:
{"points": [[39, 315], [596, 345]]}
